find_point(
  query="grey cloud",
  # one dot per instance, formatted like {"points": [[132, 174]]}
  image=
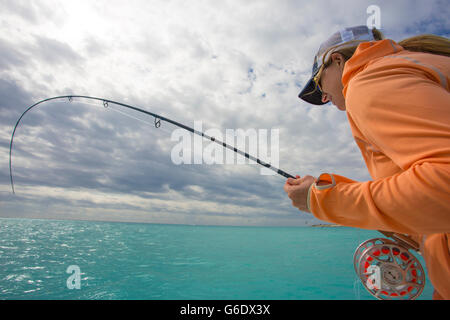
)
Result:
{"points": [[41, 50], [22, 8], [95, 46], [10, 57], [13, 99], [53, 51], [74, 155], [34, 12]]}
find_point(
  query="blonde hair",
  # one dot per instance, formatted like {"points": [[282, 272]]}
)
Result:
{"points": [[429, 43]]}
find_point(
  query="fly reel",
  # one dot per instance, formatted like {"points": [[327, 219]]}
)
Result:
{"points": [[388, 270]]}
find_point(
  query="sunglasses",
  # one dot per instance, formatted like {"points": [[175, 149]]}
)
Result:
{"points": [[318, 75]]}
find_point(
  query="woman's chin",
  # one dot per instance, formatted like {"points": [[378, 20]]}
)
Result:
{"points": [[340, 106]]}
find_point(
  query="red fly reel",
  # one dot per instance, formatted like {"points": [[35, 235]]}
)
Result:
{"points": [[388, 270]]}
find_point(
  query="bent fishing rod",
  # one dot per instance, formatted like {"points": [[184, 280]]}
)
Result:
{"points": [[378, 253], [158, 119]]}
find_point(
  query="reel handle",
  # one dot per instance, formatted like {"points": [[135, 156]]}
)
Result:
{"points": [[402, 239]]}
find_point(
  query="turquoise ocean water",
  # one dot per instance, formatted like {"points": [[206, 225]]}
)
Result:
{"points": [[150, 261]]}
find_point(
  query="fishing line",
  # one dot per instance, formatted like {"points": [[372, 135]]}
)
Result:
{"points": [[158, 119], [398, 273], [109, 107]]}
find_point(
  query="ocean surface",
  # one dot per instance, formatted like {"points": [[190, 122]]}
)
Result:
{"points": [[49, 259]]}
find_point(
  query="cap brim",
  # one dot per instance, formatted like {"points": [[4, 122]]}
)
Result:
{"points": [[311, 93]]}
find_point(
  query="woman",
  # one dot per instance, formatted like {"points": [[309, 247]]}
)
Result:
{"points": [[397, 100]]}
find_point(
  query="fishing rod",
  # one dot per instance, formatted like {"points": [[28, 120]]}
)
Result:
{"points": [[158, 119], [386, 268]]}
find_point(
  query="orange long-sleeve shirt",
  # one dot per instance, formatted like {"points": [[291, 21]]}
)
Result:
{"points": [[398, 106]]}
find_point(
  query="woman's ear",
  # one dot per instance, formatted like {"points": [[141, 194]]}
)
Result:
{"points": [[339, 59]]}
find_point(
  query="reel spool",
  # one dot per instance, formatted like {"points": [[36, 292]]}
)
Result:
{"points": [[388, 270], [363, 246]]}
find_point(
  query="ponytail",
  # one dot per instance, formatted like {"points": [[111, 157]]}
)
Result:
{"points": [[427, 43]]}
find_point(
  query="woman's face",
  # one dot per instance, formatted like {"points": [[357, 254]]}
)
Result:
{"points": [[331, 83]]}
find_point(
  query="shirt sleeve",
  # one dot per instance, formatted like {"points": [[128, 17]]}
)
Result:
{"points": [[406, 115]]}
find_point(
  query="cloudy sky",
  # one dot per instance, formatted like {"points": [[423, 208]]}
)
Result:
{"points": [[229, 64]]}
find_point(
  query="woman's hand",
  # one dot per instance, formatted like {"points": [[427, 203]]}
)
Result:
{"points": [[297, 190]]}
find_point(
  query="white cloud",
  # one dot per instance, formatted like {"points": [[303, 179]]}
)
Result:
{"points": [[230, 64]]}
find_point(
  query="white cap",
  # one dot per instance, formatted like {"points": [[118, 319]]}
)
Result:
{"points": [[347, 37]]}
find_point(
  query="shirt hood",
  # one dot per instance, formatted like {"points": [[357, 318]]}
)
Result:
{"points": [[365, 53]]}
